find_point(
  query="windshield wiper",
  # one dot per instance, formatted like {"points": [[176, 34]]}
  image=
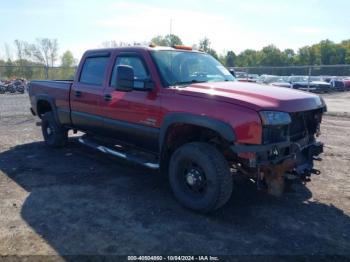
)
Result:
{"points": [[184, 83]]}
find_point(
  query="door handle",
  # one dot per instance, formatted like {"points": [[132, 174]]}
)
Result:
{"points": [[107, 97], [77, 93]]}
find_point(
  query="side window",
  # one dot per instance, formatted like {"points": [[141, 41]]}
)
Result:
{"points": [[94, 70], [140, 72]]}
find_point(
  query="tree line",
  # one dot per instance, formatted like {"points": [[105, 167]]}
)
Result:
{"points": [[37, 60], [326, 52]]}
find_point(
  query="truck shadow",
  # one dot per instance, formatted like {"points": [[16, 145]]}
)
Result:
{"points": [[82, 202]]}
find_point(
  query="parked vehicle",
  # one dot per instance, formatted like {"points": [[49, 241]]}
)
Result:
{"points": [[347, 84], [282, 82], [13, 86], [10, 88], [340, 84], [19, 85], [180, 111], [315, 84], [267, 79], [232, 71], [253, 78], [245, 77], [2, 89], [242, 76], [297, 78]]}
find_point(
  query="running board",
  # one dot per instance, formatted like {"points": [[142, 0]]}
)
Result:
{"points": [[122, 155]]}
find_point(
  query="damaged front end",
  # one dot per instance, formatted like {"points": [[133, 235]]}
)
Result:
{"points": [[288, 149]]}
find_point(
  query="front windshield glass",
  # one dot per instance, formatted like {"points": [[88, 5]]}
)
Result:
{"points": [[182, 68]]}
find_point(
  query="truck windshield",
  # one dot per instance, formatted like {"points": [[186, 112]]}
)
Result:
{"points": [[180, 68]]}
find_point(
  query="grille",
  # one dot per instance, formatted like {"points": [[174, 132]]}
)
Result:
{"points": [[303, 124], [297, 129]]}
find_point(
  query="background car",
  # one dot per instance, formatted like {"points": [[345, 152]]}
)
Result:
{"points": [[268, 79], [340, 84], [2, 89], [282, 82], [19, 85], [315, 84], [241, 76]]}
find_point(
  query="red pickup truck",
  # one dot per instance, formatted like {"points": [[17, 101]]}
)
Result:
{"points": [[182, 112]]}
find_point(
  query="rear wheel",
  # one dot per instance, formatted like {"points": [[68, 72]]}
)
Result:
{"points": [[54, 134], [200, 177]]}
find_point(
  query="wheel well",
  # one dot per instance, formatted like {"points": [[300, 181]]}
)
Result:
{"points": [[43, 106], [179, 134]]}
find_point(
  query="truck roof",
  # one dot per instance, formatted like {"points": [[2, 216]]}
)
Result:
{"points": [[141, 48]]}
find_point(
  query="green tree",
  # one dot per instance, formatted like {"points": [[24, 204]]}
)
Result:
{"points": [[327, 52], [288, 57], [230, 59], [308, 55], [9, 69], [271, 56], [67, 63], [213, 53], [45, 51], [167, 40], [204, 45], [248, 57], [303, 56], [346, 45], [67, 59]]}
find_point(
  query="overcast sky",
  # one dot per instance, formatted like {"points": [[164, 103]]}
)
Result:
{"points": [[229, 24]]}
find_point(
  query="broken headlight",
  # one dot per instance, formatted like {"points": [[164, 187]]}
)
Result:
{"points": [[275, 118]]}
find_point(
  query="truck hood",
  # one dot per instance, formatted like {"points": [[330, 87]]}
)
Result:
{"points": [[255, 96]]}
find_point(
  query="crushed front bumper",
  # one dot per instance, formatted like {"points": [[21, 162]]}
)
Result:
{"points": [[302, 153]]}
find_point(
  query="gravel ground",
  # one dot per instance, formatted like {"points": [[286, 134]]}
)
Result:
{"points": [[76, 201], [14, 105], [338, 103]]}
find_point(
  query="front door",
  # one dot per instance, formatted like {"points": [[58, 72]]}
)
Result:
{"points": [[132, 116]]}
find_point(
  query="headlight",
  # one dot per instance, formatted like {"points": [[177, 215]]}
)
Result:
{"points": [[274, 118]]}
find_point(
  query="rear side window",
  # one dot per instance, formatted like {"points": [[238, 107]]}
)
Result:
{"points": [[94, 70]]}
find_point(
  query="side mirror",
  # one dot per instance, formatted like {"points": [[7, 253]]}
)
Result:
{"points": [[125, 78]]}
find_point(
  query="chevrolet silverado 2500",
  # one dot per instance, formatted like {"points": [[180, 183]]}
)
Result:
{"points": [[181, 111]]}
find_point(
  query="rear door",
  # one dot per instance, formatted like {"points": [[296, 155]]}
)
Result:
{"points": [[87, 93], [133, 116]]}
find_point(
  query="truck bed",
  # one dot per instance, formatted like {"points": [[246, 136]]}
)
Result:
{"points": [[56, 91]]}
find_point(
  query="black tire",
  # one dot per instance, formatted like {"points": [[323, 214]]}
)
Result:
{"points": [[208, 165], [54, 135]]}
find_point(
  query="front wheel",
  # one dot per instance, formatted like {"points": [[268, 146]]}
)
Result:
{"points": [[54, 135], [200, 177]]}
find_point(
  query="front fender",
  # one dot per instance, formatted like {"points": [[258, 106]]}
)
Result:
{"points": [[222, 128]]}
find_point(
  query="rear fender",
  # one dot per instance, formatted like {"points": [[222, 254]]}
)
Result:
{"points": [[51, 101]]}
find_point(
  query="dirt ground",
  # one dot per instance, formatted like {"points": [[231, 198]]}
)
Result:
{"points": [[76, 201], [338, 103]]}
